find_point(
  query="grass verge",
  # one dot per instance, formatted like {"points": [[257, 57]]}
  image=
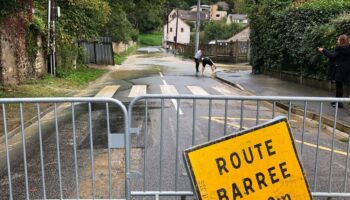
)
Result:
{"points": [[153, 39], [120, 58], [69, 81]]}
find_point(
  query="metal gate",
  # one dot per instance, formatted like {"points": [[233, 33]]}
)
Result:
{"points": [[170, 124], [64, 148], [98, 52]]}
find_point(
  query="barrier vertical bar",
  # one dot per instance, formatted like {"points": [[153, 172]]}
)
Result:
{"points": [[109, 153], [303, 130], [333, 140], [7, 150], [41, 151], [161, 143], [209, 120], [75, 153], [145, 142], [318, 143], [58, 153], [92, 154], [225, 122], [273, 109], [242, 115], [289, 110], [194, 122], [257, 112], [346, 167], [177, 145], [24, 150]]}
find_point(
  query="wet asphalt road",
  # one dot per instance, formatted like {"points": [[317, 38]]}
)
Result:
{"points": [[155, 154]]}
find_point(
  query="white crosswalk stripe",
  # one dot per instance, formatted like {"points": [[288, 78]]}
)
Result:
{"points": [[169, 90], [224, 91], [196, 90], [108, 91], [138, 90]]}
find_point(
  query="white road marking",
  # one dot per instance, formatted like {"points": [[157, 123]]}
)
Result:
{"points": [[161, 75], [138, 90], [108, 91], [196, 90], [224, 91], [171, 90]]}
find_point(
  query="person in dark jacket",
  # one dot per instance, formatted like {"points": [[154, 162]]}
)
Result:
{"points": [[208, 61], [339, 65]]}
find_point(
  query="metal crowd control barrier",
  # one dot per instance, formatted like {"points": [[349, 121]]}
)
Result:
{"points": [[65, 147], [64, 151], [174, 123]]}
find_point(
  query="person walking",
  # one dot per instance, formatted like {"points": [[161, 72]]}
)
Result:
{"points": [[208, 61], [339, 65], [197, 58]]}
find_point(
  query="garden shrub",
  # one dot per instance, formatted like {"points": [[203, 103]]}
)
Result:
{"points": [[285, 36]]}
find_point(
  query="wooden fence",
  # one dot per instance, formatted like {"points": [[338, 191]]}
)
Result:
{"points": [[233, 52]]}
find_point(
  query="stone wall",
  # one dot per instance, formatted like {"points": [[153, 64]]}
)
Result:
{"points": [[121, 47], [15, 67]]}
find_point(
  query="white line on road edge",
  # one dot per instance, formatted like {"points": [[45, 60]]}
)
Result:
{"points": [[173, 100], [161, 75]]}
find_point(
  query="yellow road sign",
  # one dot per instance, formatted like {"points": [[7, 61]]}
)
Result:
{"points": [[259, 164]]}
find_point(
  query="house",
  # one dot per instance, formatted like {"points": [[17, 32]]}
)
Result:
{"points": [[237, 18], [242, 36], [215, 14], [183, 28], [202, 8], [183, 31], [212, 10]]}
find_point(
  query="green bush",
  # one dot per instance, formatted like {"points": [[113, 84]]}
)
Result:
{"points": [[285, 36], [219, 30]]}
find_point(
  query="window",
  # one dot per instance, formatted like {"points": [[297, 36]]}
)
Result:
{"points": [[217, 15], [171, 29], [182, 30]]}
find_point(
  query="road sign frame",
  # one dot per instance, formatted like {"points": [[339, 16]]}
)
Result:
{"points": [[189, 168]]}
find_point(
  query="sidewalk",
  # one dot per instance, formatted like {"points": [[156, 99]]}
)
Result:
{"points": [[262, 85]]}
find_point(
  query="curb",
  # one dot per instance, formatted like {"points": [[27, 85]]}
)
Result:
{"points": [[309, 114], [230, 83]]}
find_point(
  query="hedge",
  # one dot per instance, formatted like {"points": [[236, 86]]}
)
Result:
{"points": [[285, 36]]}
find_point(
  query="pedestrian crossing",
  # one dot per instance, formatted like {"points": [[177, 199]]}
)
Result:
{"points": [[139, 90]]}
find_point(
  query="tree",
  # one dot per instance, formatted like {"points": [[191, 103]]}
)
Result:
{"points": [[148, 15], [119, 27]]}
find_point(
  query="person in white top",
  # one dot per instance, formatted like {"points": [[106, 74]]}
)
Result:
{"points": [[197, 59]]}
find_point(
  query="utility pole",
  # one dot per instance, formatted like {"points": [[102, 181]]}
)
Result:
{"points": [[198, 25], [52, 15], [49, 55]]}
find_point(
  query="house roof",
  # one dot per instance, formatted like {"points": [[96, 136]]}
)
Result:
{"points": [[192, 15], [241, 36], [179, 20]]}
